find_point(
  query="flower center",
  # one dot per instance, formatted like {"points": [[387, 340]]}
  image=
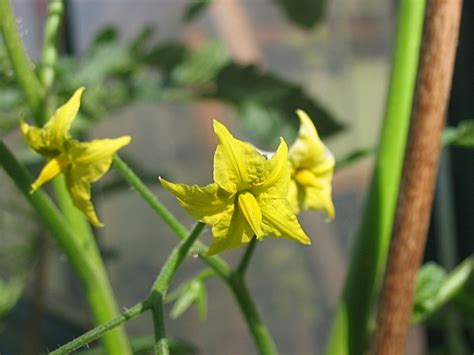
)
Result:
{"points": [[250, 209]]}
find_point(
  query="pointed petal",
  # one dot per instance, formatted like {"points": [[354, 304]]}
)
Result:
{"points": [[307, 148], [58, 126], [293, 197], [238, 234], [277, 173], [96, 150], [249, 208], [237, 165], [38, 139], [280, 221], [319, 199], [53, 168], [206, 204], [80, 192]]}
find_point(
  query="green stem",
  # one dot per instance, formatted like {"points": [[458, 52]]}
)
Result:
{"points": [[262, 338], [349, 334], [50, 40], [21, 64], [50, 54], [100, 330], [153, 302], [244, 262], [91, 273]]}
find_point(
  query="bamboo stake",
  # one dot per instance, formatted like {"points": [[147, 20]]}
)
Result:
{"points": [[419, 174]]}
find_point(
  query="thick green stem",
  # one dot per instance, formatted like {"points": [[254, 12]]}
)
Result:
{"points": [[80, 252], [21, 64], [355, 312]]}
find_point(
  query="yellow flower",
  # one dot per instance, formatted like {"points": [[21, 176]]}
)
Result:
{"points": [[248, 197], [312, 167], [81, 162]]}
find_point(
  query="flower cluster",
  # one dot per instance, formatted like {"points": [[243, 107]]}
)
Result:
{"points": [[252, 195], [81, 162], [255, 196]]}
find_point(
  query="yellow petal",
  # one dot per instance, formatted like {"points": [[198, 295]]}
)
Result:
{"points": [[293, 197], [38, 139], [319, 199], [306, 178], [237, 165], [277, 173], [96, 150], [278, 220], [249, 208], [207, 204], [238, 234], [53, 168], [58, 126], [80, 191], [307, 149]]}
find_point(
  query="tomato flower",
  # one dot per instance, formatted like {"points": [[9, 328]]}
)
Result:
{"points": [[248, 196], [81, 162]]}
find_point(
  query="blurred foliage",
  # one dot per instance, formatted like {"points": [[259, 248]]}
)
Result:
{"points": [[428, 284], [145, 70], [305, 13], [195, 8], [461, 136]]}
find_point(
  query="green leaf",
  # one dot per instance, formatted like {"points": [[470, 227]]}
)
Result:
{"points": [[353, 156], [201, 301], [264, 99], [195, 8], [461, 136], [202, 65], [186, 296], [305, 13], [166, 56], [428, 283]]}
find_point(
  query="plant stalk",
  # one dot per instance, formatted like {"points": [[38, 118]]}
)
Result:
{"points": [[419, 175], [354, 314]]}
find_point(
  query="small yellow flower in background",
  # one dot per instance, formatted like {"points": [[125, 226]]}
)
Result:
{"points": [[248, 197], [312, 166], [81, 162]]}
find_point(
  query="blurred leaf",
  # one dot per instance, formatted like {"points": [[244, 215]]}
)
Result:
{"points": [[195, 8], [185, 296], [106, 35], [140, 42], [266, 97], [201, 65], [428, 283], [166, 56], [353, 156], [461, 136], [305, 13], [10, 292]]}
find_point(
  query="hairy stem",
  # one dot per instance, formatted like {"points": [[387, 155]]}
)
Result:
{"points": [[22, 66]]}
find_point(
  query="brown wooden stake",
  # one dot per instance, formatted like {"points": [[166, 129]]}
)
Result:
{"points": [[419, 174]]}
